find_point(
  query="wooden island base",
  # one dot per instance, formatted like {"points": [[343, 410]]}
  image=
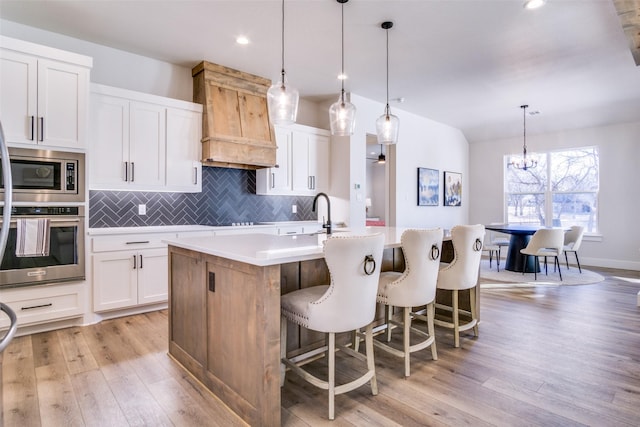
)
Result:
{"points": [[224, 324]]}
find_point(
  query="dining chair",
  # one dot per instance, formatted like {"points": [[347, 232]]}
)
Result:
{"points": [[545, 242], [493, 250], [414, 287], [461, 274], [346, 304], [572, 242]]}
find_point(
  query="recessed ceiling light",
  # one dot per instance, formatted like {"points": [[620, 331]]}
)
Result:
{"points": [[242, 40], [342, 77], [534, 4]]}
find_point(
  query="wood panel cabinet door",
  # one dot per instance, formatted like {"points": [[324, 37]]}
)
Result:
{"points": [[109, 143], [147, 149], [153, 277], [184, 131], [115, 283]]}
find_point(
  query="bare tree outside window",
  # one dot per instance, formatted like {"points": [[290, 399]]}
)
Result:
{"points": [[561, 191]]}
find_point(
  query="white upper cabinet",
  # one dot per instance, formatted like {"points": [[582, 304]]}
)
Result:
{"points": [[45, 93], [303, 163], [143, 142], [184, 170]]}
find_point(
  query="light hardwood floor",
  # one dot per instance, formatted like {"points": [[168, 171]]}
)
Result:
{"points": [[545, 356]]}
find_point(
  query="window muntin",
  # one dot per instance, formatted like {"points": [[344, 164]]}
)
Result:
{"points": [[561, 191]]}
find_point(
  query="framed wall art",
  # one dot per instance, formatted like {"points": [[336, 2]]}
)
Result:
{"points": [[452, 189], [428, 187]]}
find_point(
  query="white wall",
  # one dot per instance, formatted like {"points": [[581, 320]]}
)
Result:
{"points": [[422, 143], [619, 197]]}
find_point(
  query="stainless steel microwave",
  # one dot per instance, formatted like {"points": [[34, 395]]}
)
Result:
{"points": [[46, 176]]}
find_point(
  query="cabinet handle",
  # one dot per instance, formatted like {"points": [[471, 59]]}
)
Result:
{"points": [[309, 186], [41, 128], [137, 243], [36, 306], [132, 172], [125, 167], [140, 261], [195, 175], [134, 262], [212, 281], [33, 122], [273, 180]]}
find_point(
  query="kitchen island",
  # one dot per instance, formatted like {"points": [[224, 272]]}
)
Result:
{"points": [[224, 310]]}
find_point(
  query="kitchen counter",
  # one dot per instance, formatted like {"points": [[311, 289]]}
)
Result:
{"points": [[264, 249]]}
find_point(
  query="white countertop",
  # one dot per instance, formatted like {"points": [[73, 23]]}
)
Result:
{"points": [[265, 249], [169, 229]]}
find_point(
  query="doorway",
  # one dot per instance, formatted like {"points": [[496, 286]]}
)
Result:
{"points": [[377, 193]]}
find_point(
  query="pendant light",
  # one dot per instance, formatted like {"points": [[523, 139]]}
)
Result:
{"points": [[524, 163], [387, 125], [342, 113], [282, 100], [382, 159]]}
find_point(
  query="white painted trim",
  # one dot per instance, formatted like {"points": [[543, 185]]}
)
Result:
{"points": [[145, 97], [610, 263], [45, 52]]}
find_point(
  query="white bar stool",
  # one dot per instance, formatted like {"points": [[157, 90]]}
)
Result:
{"points": [[346, 304]]}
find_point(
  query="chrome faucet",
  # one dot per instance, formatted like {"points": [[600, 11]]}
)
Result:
{"points": [[326, 225]]}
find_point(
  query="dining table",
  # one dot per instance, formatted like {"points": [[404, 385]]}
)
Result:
{"points": [[520, 236]]}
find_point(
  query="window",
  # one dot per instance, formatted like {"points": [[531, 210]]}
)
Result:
{"points": [[562, 190]]}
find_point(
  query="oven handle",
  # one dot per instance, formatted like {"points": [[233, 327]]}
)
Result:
{"points": [[51, 220]]}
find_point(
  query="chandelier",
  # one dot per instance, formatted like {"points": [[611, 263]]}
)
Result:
{"points": [[523, 162]]}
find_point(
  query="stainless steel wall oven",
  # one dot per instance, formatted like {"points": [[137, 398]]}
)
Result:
{"points": [[65, 261]]}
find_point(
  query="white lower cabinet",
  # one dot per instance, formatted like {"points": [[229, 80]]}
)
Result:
{"points": [[129, 271], [41, 304]]}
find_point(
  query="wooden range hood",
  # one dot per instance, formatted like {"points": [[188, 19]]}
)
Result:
{"points": [[235, 121]]}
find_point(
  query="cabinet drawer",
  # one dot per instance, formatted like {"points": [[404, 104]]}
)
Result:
{"points": [[37, 304], [130, 242], [292, 229]]}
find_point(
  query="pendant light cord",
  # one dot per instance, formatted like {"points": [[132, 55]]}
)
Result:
{"points": [[387, 108], [283, 43], [343, 76], [524, 131]]}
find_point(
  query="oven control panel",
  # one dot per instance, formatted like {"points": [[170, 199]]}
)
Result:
{"points": [[45, 210]]}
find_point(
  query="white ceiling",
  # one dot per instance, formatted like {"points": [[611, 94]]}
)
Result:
{"points": [[469, 64]]}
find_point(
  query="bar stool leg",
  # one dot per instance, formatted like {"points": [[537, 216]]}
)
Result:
{"points": [[371, 365], [406, 339], [431, 311], [332, 374], [456, 320]]}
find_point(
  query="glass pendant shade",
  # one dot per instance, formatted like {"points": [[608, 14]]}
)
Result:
{"points": [[342, 117], [387, 127], [282, 102]]}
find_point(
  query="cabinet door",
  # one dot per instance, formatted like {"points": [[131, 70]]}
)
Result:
{"points": [[301, 180], [147, 149], [115, 282], [153, 278], [280, 179], [62, 104], [184, 170], [18, 102], [109, 151], [318, 162]]}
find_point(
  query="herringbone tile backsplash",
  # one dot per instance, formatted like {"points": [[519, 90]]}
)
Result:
{"points": [[228, 196]]}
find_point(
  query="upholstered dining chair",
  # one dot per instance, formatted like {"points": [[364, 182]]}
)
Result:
{"points": [[572, 242], [462, 273], [493, 250], [414, 287], [546, 242], [346, 304]]}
